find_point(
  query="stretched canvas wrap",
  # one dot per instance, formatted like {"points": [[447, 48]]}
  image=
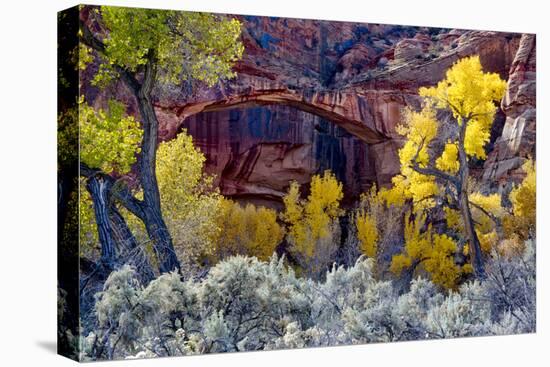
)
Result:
{"points": [[235, 183]]}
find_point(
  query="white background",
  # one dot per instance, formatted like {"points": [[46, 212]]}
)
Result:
{"points": [[28, 181]]}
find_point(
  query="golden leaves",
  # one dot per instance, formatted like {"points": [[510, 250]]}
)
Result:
{"points": [[470, 94], [189, 202], [247, 230], [311, 220], [448, 161], [430, 251], [522, 221], [367, 233]]}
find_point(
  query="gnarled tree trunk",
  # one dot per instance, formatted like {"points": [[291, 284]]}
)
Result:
{"points": [[153, 220], [148, 209], [128, 248], [99, 188], [118, 244]]}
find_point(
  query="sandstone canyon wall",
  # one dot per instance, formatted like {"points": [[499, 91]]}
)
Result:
{"points": [[518, 138], [312, 95]]}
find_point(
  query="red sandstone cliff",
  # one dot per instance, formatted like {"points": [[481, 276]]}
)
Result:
{"points": [[311, 95], [518, 139]]}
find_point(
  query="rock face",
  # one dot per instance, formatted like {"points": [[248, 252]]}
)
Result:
{"points": [[311, 95], [256, 152], [518, 139], [410, 48]]}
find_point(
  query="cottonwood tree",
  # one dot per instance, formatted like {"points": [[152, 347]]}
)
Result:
{"points": [[108, 142], [246, 230], [143, 47], [523, 219], [431, 176], [313, 224]]}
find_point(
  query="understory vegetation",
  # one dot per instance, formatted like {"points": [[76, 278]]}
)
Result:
{"points": [[247, 304]]}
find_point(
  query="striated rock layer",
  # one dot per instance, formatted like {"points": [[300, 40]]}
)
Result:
{"points": [[311, 95], [256, 152], [518, 139]]}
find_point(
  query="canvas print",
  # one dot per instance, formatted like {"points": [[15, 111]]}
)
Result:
{"points": [[233, 183]]}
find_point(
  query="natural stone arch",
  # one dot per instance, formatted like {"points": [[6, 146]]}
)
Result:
{"points": [[370, 115]]}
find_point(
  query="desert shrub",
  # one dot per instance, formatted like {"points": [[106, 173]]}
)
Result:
{"points": [[511, 290], [247, 304], [256, 299], [117, 315], [462, 313], [412, 309]]}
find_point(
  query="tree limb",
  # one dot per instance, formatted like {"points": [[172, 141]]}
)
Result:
{"points": [[494, 218], [118, 192], [430, 171], [92, 41]]}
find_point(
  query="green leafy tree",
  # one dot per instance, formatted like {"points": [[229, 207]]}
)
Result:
{"points": [[109, 141], [143, 47]]}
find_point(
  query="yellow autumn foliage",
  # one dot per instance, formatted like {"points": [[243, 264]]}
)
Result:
{"points": [[522, 221], [420, 129], [483, 208], [427, 175], [453, 219], [470, 94], [189, 202], [523, 197], [395, 195], [371, 209], [432, 252], [309, 221], [367, 233], [448, 161], [294, 217], [248, 230], [485, 226]]}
